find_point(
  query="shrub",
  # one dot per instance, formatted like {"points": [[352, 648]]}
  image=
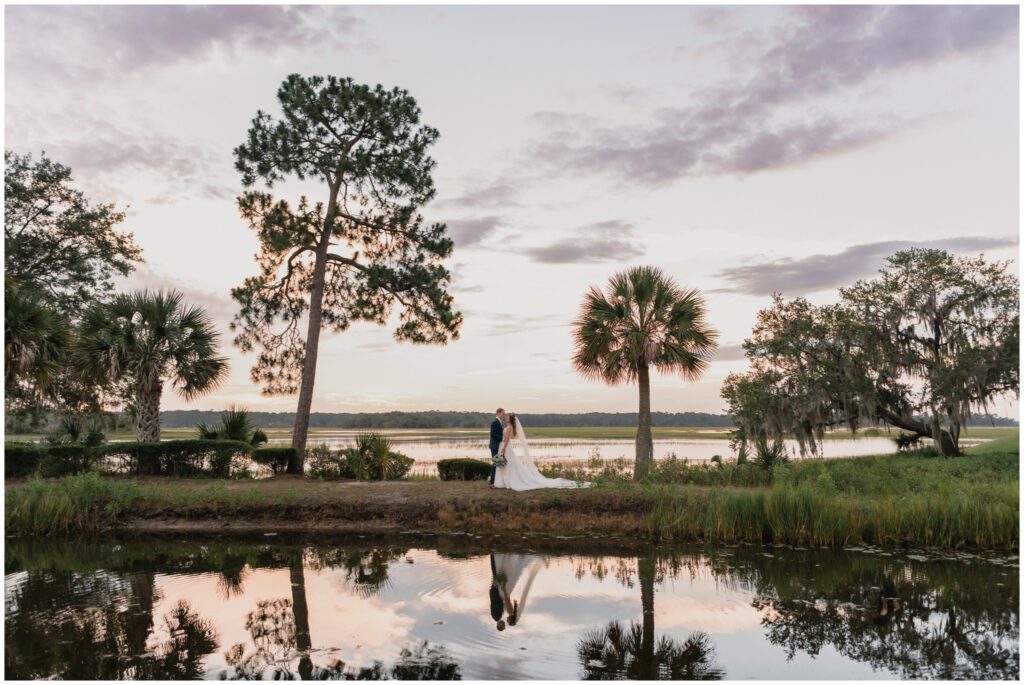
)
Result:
{"points": [[324, 464], [179, 457], [906, 441], [769, 454], [463, 469], [234, 425], [277, 458], [21, 459], [67, 460], [373, 459]]}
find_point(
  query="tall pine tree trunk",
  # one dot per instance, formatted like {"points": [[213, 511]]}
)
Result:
{"points": [[644, 440], [147, 412], [300, 608], [316, 299]]}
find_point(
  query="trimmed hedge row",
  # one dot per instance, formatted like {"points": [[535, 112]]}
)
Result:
{"points": [[21, 459], [463, 469], [178, 457], [189, 458], [277, 458]]}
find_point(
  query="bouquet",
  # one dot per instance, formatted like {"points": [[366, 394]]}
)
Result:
{"points": [[499, 460]]}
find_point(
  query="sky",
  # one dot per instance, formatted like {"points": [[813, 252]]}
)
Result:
{"points": [[744, 150]]}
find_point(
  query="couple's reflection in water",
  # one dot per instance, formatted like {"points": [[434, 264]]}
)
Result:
{"points": [[507, 576], [106, 611]]}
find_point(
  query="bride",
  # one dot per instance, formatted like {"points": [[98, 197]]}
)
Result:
{"points": [[519, 471]]}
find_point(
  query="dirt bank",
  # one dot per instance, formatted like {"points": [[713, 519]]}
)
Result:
{"points": [[290, 504]]}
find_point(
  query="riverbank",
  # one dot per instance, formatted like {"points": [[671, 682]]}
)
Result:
{"points": [[897, 500]]}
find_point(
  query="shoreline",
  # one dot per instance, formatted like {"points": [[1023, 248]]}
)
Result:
{"points": [[964, 514]]}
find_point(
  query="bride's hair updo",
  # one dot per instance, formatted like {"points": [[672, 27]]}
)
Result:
{"points": [[512, 422]]}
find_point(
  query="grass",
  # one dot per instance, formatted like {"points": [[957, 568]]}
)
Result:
{"points": [[895, 500]]}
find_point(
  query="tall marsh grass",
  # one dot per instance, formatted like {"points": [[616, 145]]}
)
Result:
{"points": [[905, 499], [76, 503]]}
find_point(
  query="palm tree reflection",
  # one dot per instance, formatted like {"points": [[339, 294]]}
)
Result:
{"points": [[616, 652], [624, 653]]}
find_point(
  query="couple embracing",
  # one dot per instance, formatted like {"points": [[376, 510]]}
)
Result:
{"points": [[512, 466]]}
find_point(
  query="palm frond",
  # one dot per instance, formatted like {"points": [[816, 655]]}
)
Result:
{"points": [[642, 319]]}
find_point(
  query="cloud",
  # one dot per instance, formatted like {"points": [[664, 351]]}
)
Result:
{"points": [[496, 194], [102, 155], [823, 271], [729, 353], [219, 306], [761, 121], [113, 41], [508, 324], [466, 232], [605, 241]]}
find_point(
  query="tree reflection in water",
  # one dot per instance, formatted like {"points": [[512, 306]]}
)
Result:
{"points": [[280, 633], [633, 652], [617, 652], [85, 610], [919, 619]]}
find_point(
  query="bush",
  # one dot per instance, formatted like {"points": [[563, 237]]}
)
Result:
{"points": [[67, 460], [463, 469], [179, 457], [277, 458], [373, 459], [769, 454], [21, 459], [906, 441], [324, 464]]}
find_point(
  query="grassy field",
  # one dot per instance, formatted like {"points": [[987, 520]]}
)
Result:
{"points": [[895, 500], [580, 433]]}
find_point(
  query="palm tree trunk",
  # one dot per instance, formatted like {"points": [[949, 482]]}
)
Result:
{"points": [[301, 610], [644, 440], [316, 298], [647, 571], [147, 418]]}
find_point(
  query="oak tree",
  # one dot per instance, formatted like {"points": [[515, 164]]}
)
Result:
{"points": [[926, 345]]}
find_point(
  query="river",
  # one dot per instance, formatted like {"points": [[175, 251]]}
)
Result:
{"points": [[461, 607]]}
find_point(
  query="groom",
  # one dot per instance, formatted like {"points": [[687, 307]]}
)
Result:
{"points": [[496, 435]]}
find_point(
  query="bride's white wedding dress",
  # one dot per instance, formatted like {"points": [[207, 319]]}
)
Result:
{"points": [[520, 473], [508, 569]]}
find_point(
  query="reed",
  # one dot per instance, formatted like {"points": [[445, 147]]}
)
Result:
{"points": [[898, 500]]}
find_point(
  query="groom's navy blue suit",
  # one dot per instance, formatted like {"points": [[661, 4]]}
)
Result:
{"points": [[496, 436]]}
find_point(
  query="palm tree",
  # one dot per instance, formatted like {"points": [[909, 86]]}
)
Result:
{"points": [[643, 321], [144, 340]]}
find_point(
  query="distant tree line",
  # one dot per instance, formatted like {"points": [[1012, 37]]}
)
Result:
{"points": [[447, 419], [471, 419]]}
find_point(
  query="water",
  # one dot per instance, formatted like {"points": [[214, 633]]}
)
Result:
{"points": [[428, 449], [422, 608]]}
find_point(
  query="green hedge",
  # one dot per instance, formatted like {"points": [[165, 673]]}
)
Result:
{"points": [[179, 457], [464, 469], [67, 460], [277, 458], [21, 459]]}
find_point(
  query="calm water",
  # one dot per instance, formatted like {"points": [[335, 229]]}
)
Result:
{"points": [[427, 450], [413, 608]]}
